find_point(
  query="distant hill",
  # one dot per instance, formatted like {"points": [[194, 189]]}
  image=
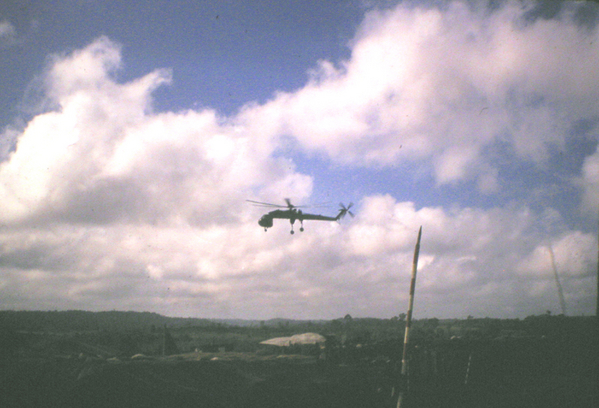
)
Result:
{"points": [[77, 320], [124, 321]]}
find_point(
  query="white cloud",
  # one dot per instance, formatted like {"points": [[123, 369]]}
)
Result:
{"points": [[574, 254], [445, 86], [238, 270], [113, 200], [102, 155], [106, 202], [590, 183]]}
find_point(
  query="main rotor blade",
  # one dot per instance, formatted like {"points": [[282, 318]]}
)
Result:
{"points": [[260, 204], [287, 200], [291, 206], [319, 205]]}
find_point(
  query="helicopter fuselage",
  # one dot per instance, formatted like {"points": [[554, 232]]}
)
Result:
{"points": [[293, 214], [266, 220]]}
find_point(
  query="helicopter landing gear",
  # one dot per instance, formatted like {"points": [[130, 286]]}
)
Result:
{"points": [[292, 221], [301, 227]]}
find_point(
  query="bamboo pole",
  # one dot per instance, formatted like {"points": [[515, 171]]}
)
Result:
{"points": [[404, 357]]}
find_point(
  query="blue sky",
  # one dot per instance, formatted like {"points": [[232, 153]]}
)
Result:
{"points": [[224, 53], [132, 136]]}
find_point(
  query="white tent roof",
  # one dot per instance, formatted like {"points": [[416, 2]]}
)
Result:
{"points": [[305, 338]]}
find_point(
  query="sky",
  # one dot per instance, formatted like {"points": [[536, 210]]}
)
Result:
{"points": [[131, 138]]}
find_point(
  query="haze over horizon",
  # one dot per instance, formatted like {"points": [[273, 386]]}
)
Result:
{"points": [[131, 138]]}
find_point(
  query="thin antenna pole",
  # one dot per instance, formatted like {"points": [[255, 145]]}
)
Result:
{"points": [[596, 341], [468, 369], [164, 341], [560, 291], [404, 359]]}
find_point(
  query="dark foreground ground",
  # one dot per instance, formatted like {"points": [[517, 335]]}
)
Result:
{"points": [[536, 372], [231, 381]]}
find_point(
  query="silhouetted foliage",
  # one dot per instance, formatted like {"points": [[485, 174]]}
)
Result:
{"points": [[543, 360]]}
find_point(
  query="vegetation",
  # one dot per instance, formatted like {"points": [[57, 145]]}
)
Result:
{"points": [[127, 333], [130, 359]]}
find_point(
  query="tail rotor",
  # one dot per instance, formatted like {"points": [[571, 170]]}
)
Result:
{"points": [[345, 210]]}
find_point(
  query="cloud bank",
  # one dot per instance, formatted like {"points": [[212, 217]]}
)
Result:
{"points": [[451, 86], [108, 204]]}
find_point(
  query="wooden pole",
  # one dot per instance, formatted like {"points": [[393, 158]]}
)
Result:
{"points": [[404, 357]]}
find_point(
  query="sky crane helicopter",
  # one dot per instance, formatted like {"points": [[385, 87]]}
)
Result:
{"points": [[293, 213]]}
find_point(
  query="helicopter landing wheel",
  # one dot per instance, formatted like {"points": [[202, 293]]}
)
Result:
{"points": [[302, 229], [292, 232]]}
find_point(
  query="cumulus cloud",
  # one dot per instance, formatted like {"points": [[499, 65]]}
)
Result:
{"points": [[103, 156], [590, 183], [573, 252], [469, 254], [113, 200], [448, 85], [472, 262], [107, 203]]}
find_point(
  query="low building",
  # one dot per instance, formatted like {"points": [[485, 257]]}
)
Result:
{"points": [[306, 343]]}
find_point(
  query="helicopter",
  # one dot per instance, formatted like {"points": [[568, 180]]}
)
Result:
{"points": [[293, 213]]}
